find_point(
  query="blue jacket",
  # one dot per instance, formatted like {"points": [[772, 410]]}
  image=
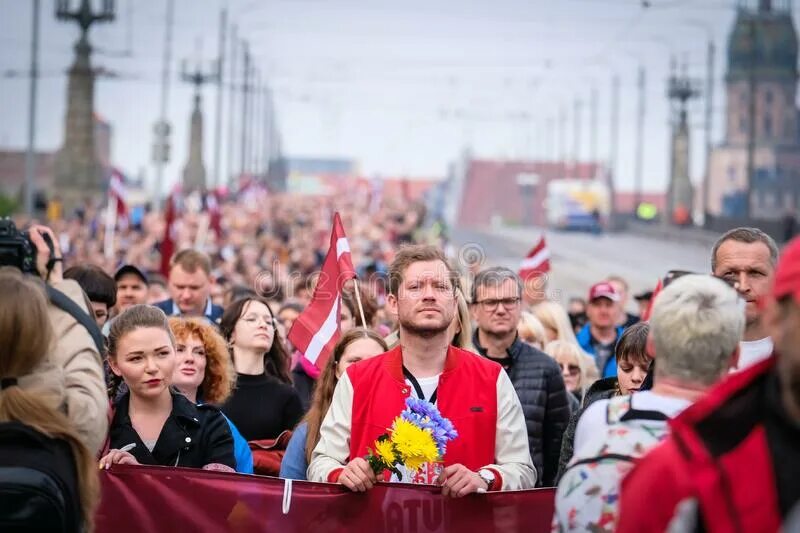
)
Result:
{"points": [[212, 312], [241, 450], [294, 464], [608, 366]]}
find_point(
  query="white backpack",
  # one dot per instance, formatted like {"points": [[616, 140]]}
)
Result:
{"points": [[587, 498]]}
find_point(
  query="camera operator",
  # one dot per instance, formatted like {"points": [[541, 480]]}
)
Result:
{"points": [[71, 375]]}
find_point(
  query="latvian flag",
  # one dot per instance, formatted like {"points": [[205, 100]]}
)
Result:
{"points": [[537, 261], [317, 329], [116, 195]]}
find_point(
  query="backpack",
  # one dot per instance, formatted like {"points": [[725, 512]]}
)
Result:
{"points": [[587, 497], [38, 482]]}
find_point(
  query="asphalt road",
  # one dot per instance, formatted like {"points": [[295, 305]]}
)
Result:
{"points": [[579, 259]]}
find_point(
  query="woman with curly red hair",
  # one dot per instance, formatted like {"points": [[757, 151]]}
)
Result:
{"points": [[204, 373]]}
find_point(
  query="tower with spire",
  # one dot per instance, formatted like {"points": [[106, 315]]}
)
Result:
{"points": [[755, 171]]}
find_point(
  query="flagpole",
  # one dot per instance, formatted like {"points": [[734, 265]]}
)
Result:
{"points": [[202, 232], [111, 222], [358, 301]]}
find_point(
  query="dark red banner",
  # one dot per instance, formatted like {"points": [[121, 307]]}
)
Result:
{"points": [[151, 498]]}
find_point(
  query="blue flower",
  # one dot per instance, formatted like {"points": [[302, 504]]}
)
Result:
{"points": [[425, 415]]}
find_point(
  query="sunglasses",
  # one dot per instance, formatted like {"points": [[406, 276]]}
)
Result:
{"points": [[572, 370]]}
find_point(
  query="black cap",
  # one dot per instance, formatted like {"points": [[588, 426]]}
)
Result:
{"points": [[130, 269], [646, 295]]}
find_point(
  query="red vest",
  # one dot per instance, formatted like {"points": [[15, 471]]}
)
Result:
{"points": [[467, 395]]}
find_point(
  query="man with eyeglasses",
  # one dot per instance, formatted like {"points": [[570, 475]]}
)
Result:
{"points": [[496, 307]]}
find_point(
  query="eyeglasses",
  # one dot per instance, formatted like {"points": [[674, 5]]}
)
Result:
{"points": [[491, 304], [572, 370]]}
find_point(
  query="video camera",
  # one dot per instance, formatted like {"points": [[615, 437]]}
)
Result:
{"points": [[17, 249]]}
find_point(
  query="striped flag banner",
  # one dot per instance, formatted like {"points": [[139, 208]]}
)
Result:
{"points": [[537, 261], [317, 329]]}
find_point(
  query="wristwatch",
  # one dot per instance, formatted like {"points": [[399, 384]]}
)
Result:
{"points": [[487, 476]]}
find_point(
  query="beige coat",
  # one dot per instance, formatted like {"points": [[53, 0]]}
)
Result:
{"points": [[71, 377]]}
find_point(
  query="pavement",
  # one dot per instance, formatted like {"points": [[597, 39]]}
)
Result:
{"points": [[579, 259]]}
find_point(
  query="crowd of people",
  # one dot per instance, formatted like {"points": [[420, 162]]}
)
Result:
{"points": [[192, 366]]}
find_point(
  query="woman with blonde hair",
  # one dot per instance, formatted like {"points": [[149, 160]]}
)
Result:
{"points": [[575, 366], [204, 373], [555, 320], [531, 330], [46, 439], [462, 324], [557, 326]]}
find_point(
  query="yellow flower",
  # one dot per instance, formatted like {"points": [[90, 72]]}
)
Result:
{"points": [[415, 445], [385, 451]]}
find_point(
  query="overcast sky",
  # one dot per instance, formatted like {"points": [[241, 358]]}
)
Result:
{"points": [[402, 87]]}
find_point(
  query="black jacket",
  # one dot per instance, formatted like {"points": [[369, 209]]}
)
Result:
{"points": [[601, 389], [304, 385], [193, 436], [540, 387]]}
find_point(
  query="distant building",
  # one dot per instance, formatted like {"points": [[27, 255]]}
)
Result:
{"points": [[481, 191], [762, 44]]}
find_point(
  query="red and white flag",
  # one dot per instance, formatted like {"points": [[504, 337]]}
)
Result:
{"points": [[116, 193], [171, 216], [116, 210], [317, 329], [537, 262]]}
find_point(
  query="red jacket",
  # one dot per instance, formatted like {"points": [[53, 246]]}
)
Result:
{"points": [[717, 456], [467, 395], [474, 393]]}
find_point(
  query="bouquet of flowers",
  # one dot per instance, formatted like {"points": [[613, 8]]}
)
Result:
{"points": [[418, 436]]}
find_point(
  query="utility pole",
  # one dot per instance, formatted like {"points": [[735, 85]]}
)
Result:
{"points": [[576, 131], [232, 108], [253, 126], [245, 104], [751, 118], [708, 126], [593, 124], [562, 138], [269, 128], [161, 148], [639, 154], [551, 143], [613, 144], [30, 155], [223, 23]]}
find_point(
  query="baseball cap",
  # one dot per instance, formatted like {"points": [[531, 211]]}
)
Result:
{"points": [[787, 273], [130, 269], [603, 290]]}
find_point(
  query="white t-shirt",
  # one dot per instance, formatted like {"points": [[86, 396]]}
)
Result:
{"points": [[593, 422], [752, 352], [428, 386], [429, 472]]}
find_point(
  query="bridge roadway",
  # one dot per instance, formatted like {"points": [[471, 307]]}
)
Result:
{"points": [[579, 259]]}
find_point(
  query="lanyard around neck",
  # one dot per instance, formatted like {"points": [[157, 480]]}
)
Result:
{"points": [[421, 395]]}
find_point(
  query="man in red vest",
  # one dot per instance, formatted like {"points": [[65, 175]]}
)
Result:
{"points": [[491, 450], [732, 461]]}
